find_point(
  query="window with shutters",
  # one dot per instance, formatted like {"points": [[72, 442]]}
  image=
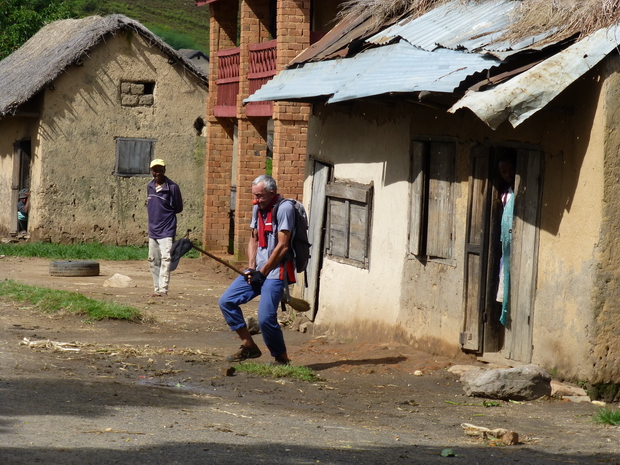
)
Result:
{"points": [[431, 215], [133, 156], [349, 215]]}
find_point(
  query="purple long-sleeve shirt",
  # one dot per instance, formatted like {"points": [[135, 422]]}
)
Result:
{"points": [[162, 208]]}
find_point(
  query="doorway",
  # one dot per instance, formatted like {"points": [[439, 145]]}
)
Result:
{"points": [[20, 182], [490, 325]]}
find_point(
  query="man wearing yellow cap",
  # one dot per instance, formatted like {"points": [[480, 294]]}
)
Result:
{"points": [[163, 203]]}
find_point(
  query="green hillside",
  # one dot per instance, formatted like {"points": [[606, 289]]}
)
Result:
{"points": [[178, 22]]}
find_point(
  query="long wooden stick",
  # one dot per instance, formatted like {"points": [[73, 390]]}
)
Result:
{"points": [[297, 304], [217, 259]]}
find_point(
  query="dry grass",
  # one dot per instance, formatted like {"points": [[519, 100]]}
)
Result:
{"points": [[386, 11], [568, 17]]}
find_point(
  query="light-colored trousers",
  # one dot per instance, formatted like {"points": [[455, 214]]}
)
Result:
{"points": [[159, 262]]}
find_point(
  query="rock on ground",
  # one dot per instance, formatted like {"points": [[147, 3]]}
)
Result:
{"points": [[527, 382], [120, 281]]}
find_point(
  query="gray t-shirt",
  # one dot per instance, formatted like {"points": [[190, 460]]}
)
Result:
{"points": [[285, 222]]}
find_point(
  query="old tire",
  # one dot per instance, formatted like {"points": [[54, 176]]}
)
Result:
{"points": [[74, 268]]}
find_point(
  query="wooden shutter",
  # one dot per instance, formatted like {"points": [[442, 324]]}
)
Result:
{"points": [[133, 156], [349, 221], [440, 200], [358, 231], [338, 227], [417, 193]]}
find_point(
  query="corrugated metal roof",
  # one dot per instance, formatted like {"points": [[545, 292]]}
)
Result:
{"points": [[404, 68], [473, 27], [521, 97], [450, 46], [320, 79], [392, 68]]}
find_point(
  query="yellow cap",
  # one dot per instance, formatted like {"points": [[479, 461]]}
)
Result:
{"points": [[158, 161]]}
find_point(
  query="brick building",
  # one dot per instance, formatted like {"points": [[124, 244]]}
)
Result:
{"points": [[250, 40]]}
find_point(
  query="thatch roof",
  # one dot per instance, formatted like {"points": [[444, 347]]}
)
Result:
{"points": [[60, 44], [569, 17]]}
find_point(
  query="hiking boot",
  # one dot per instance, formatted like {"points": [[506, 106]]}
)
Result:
{"points": [[244, 353]]}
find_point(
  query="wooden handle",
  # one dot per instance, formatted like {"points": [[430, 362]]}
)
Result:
{"points": [[217, 259]]}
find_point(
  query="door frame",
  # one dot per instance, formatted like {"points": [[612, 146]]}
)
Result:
{"points": [[482, 332], [20, 178]]}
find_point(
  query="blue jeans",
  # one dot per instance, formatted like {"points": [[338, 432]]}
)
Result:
{"points": [[239, 293]]}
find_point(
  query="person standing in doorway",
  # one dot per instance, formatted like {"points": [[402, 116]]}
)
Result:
{"points": [[164, 201], [23, 206], [269, 242], [506, 167]]}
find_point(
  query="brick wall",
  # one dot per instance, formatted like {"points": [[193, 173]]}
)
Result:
{"points": [[254, 30], [220, 136], [293, 29], [290, 120], [251, 163], [222, 36], [218, 174], [289, 156]]}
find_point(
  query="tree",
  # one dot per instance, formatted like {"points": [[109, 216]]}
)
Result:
{"points": [[21, 19]]}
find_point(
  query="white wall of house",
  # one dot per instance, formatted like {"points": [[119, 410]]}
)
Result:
{"points": [[366, 150]]}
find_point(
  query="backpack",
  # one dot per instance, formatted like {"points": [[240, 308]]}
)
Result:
{"points": [[299, 250]]}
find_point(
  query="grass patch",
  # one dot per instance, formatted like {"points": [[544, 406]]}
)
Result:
{"points": [[607, 416], [52, 301], [278, 371], [82, 251]]}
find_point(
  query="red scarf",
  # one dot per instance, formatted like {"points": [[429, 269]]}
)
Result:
{"points": [[266, 225]]}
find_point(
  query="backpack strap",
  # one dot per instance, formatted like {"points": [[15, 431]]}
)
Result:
{"points": [[290, 255]]}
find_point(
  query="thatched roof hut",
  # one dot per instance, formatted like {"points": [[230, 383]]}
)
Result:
{"points": [[60, 44]]}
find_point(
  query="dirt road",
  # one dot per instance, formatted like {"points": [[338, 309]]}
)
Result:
{"points": [[154, 392]]}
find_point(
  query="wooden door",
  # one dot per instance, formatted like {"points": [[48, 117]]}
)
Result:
{"points": [[482, 331], [476, 240], [524, 255], [316, 230]]}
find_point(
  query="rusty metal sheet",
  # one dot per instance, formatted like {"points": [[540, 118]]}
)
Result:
{"points": [[522, 96], [336, 39]]}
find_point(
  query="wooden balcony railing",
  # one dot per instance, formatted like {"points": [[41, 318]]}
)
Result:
{"points": [[227, 82], [263, 64]]}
